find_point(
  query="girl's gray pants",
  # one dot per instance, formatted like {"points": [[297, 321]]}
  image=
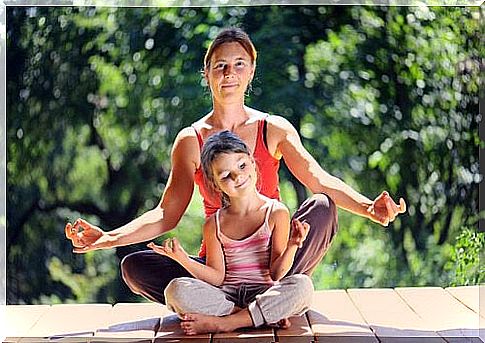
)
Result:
{"points": [[267, 304]]}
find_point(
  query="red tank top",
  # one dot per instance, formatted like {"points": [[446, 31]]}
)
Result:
{"points": [[268, 180]]}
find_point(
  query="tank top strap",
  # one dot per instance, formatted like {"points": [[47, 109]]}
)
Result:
{"points": [[261, 131], [199, 137], [268, 213], [218, 225]]}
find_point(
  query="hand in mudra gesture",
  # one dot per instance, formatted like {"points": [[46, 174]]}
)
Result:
{"points": [[384, 210], [170, 248], [298, 233], [85, 236]]}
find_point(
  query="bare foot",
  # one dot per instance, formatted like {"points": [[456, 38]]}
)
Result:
{"points": [[284, 323], [281, 324], [196, 323]]}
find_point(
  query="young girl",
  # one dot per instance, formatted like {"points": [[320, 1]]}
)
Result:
{"points": [[249, 251]]}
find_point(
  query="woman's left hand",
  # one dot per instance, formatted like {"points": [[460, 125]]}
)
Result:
{"points": [[299, 232], [384, 210]]}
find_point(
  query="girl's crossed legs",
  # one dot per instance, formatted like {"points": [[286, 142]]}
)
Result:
{"points": [[206, 308]]}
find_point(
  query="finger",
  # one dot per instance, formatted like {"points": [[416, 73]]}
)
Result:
{"points": [[76, 224], [176, 245], [166, 244], [298, 225], [402, 205], [391, 208], [158, 249], [81, 250], [67, 230], [382, 196], [84, 224], [80, 239], [393, 204], [74, 230]]}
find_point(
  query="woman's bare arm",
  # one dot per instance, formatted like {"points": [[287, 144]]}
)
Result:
{"points": [[306, 169], [176, 197]]}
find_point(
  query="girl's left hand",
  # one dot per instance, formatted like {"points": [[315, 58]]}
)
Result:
{"points": [[170, 248], [299, 232]]}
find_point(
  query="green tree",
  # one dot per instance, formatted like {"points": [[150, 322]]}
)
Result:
{"points": [[384, 98]]}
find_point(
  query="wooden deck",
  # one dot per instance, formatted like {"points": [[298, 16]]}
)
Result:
{"points": [[424, 314]]}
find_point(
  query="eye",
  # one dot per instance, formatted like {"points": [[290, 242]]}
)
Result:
{"points": [[219, 66], [242, 166], [240, 64]]}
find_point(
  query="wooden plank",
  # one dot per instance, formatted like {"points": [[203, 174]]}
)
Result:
{"points": [[390, 317], [469, 296], [334, 318], [442, 312], [69, 323], [299, 331], [247, 335], [170, 331], [20, 319], [133, 322]]}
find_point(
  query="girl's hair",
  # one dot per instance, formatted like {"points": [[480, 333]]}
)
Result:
{"points": [[229, 35], [223, 142]]}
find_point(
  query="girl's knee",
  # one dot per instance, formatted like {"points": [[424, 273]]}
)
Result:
{"points": [[304, 283], [177, 288], [304, 288]]}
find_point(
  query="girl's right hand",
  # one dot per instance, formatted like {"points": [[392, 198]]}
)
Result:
{"points": [[170, 248]]}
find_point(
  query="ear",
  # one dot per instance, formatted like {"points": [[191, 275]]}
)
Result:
{"points": [[205, 75], [253, 71]]}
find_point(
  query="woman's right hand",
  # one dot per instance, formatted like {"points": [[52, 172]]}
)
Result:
{"points": [[89, 238]]}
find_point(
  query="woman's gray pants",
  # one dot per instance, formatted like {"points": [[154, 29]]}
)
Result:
{"points": [[266, 304]]}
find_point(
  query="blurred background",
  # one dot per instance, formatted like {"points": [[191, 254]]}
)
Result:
{"points": [[385, 98]]}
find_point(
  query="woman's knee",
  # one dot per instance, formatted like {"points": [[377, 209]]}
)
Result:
{"points": [[130, 267], [324, 202]]}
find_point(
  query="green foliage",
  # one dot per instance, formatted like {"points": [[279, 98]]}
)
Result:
{"points": [[383, 97], [465, 258], [86, 287]]}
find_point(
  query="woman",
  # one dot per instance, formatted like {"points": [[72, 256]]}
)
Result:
{"points": [[229, 67]]}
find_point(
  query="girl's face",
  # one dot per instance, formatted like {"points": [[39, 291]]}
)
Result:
{"points": [[234, 174], [229, 73]]}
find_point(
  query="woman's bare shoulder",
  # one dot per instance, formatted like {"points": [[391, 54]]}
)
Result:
{"points": [[202, 123], [279, 123]]}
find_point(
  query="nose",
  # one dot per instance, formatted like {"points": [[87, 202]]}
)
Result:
{"points": [[228, 70], [237, 177]]}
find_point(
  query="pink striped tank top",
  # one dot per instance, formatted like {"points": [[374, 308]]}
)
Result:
{"points": [[247, 260]]}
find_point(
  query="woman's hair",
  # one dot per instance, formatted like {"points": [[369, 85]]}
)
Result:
{"points": [[223, 142], [229, 35]]}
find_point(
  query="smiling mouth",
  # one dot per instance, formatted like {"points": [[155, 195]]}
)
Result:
{"points": [[230, 85], [242, 183]]}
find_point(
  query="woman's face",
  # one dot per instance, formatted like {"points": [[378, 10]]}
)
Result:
{"points": [[229, 73]]}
